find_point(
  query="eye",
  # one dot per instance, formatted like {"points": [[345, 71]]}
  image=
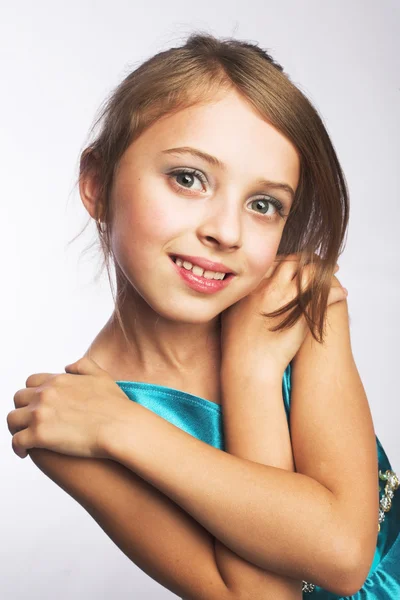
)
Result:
{"points": [[185, 178], [262, 206]]}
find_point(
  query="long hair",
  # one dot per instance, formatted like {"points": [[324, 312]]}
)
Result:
{"points": [[194, 73]]}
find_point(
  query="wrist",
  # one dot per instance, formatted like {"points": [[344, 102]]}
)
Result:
{"points": [[113, 434], [258, 368]]}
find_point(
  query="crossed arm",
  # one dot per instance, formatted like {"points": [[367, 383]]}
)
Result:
{"points": [[304, 525], [159, 536]]}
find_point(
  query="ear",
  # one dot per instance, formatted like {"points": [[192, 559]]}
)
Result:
{"points": [[89, 182]]}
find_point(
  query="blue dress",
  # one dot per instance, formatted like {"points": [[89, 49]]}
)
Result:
{"points": [[203, 419]]}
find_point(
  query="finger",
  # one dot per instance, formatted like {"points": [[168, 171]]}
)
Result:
{"points": [[22, 441], [282, 258], [23, 397], [284, 267], [309, 272], [271, 270], [287, 258], [308, 275], [37, 379], [18, 419], [295, 257], [336, 294], [85, 366], [289, 266]]}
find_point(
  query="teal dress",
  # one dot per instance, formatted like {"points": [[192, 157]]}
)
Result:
{"points": [[203, 419]]}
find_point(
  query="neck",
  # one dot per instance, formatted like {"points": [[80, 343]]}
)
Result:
{"points": [[154, 347]]}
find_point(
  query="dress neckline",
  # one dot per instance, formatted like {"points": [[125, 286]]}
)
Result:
{"points": [[166, 390]]}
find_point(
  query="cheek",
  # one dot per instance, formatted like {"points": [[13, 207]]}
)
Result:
{"points": [[149, 216], [261, 254]]}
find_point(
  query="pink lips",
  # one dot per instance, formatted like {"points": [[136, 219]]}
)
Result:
{"points": [[200, 283], [205, 264]]}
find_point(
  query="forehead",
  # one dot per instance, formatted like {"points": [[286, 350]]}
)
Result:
{"points": [[229, 128]]}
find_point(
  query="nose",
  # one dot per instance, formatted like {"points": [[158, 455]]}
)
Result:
{"points": [[221, 226]]}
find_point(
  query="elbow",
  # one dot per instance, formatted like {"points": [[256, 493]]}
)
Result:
{"points": [[349, 585], [352, 566], [359, 570]]}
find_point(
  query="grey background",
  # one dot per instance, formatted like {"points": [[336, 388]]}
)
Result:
{"points": [[58, 63]]}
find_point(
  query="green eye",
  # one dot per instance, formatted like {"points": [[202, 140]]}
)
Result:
{"points": [[188, 175], [262, 206]]}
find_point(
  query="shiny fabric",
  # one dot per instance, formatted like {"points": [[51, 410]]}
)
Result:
{"points": [[203, 419]]}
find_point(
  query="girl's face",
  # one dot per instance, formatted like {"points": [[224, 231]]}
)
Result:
{"points": [[195, 184]]}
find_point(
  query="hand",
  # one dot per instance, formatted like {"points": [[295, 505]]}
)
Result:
{"points": [[246, 340], [66, 413]]}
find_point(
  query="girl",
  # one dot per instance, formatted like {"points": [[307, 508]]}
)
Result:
{"points": [[228, 452]]}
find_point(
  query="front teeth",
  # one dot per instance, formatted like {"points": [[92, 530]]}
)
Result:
{"points": [[198, 270]]}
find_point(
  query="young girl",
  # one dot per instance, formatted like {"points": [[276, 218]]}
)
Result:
{"points": [[217, 428]]}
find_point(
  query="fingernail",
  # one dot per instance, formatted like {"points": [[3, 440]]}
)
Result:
{"points": [[346, 291]]}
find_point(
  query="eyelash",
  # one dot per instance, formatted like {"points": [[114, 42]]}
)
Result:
{"points": [[276, 203]]}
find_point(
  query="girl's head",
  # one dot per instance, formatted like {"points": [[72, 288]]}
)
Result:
{"points": [[231, 101]]}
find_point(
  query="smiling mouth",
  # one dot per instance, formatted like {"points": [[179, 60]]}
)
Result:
{"points": [[199, 271]]}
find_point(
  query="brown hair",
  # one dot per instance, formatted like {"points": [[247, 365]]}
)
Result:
{"points": [[194, 73]]}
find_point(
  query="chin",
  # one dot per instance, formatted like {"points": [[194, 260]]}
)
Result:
{"points": [[187, 313]]}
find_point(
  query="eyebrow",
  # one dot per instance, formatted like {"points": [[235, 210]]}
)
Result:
{"points": [[215, 162]]}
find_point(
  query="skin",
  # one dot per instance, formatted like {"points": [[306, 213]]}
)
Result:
{"points": [[175, 335], [173, 330]]}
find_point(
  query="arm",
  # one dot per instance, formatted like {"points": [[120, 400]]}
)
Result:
{"points": [[152, 531], [257, 430], [319, 524]]}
